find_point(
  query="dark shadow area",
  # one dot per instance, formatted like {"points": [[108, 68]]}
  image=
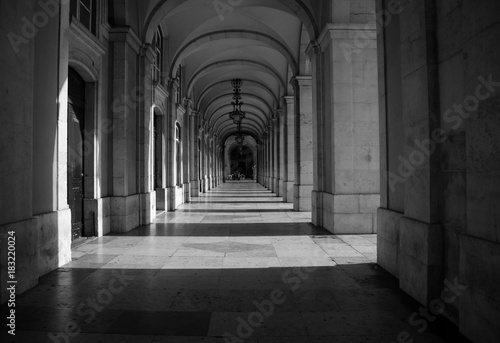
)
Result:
{"points": [[347, 303], [221, 230], [234, 211], [242, 203], [238, 196]]}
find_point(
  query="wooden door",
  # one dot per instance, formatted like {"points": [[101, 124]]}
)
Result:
{"points": [[76, 125]]}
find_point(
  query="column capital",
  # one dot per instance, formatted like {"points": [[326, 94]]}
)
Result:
{"points": [[125, 34], [333, 31], [313, 49], [288, 99], [173, 84], [188, 103], [279, 112], [301, 80], [148, 52]]}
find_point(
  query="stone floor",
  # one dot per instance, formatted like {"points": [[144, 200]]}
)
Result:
{"points": [[235, 263]]}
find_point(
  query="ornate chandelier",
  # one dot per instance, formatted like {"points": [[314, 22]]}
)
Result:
{"points": [[237, 115]]}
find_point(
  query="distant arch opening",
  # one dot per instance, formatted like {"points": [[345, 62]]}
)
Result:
{"points": [[241, 162]]}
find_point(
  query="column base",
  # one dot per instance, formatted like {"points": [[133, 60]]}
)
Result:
{"points": [[288, 190], [420, 260], [346, 213], [479, 314], [282, 190], [277, 188], [161, 199], [175, 197], [302, 198], [317, 208], [388, 224], [97, 214], [147, 207], [187, 192], [412, 251], [124, 213], [195, 189]]}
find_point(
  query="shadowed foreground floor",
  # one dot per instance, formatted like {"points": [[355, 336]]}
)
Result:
{"points": [[235, 263]]}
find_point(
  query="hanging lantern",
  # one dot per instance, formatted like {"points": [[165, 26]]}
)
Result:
{"points": [[237, 115]]}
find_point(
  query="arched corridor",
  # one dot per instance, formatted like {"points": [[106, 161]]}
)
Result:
{"points": [[206, 148]]}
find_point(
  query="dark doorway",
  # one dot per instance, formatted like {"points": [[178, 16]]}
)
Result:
{"points": [[76, 126], [242, 161]]}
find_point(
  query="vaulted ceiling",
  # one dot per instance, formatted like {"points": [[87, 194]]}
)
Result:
{"points": [[261, 42]]}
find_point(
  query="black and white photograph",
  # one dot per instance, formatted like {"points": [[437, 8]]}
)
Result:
{"points": [[250, 171]]}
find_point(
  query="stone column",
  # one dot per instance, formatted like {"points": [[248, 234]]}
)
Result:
{"points": [[219, 163], [282, 153], [202, 156], [187, 133], [146, 188], [267, 161], [347, 188], [272, 166], [276, 153], [171, 148], [194, 157], [209, 153], [213, 138], [270, 158], [289, 149], [304, 143], [204, 175], [216, 163], [420, 236], [125, 200]]}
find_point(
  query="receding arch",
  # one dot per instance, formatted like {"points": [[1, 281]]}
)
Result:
{"points": [[250, 116], [249, 121], [248, 133], [229, 107], [237, 62], [261, 85], [244, 95], [246, 124], [164, 7], [84, 66], [211, 37]]}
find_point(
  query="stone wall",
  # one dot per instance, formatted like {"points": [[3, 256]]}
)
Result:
{"points": [[437, 224], [31, 117]]}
